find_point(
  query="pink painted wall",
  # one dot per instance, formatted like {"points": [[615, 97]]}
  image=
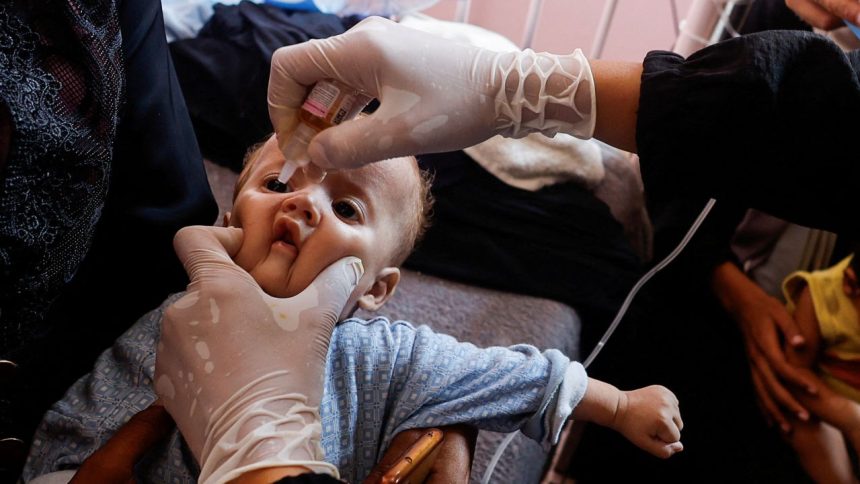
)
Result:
{"points": [[563, 25]]}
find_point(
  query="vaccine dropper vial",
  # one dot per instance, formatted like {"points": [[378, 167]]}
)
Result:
{"points": [[329, 103]]}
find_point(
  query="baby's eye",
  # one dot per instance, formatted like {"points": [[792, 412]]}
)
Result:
{"points": [[276, 186], [347, 210]]}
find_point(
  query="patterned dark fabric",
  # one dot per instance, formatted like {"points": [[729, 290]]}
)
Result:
{"points": [[100, 168], [62, 84]]}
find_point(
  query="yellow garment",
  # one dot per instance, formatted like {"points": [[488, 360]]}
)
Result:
{"points": [[838, 322]]}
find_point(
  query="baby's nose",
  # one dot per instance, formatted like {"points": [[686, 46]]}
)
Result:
{"points": [[302, 206]]}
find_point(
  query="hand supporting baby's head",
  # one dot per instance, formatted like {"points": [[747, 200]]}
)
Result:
{"points": [[375, 213]]}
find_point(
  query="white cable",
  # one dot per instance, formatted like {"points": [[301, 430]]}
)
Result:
{"points": [[723, 24], [488, 473], [498, 455], [642, 280]]}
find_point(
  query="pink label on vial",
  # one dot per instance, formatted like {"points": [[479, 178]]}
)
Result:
{"points": [[321, 99]]}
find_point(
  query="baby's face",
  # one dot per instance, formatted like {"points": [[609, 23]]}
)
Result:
{"points": [[289, 238]]}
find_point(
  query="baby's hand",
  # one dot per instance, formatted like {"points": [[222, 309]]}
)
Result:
{"points": [[649, 417]]}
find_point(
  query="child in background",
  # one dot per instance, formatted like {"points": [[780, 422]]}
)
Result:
{"points": [[826, 304], [381, 377]]}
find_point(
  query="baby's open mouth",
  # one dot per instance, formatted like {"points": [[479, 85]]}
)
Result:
{"points": [[283, 233]]}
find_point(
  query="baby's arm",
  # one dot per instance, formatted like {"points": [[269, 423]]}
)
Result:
{"points": [[648, 417], [504, 389]]}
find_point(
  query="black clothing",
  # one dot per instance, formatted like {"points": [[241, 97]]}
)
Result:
{"points": [[154, 183], [559, 242], [224, 72], [61, 89], [768, 120], [309, 479]]}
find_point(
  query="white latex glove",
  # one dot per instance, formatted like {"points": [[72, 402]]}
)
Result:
{"points": [[435, 94], [241, 372]]}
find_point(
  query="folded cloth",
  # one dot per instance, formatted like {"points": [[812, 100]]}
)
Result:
{"points": [[536, 161], [184, 18]]}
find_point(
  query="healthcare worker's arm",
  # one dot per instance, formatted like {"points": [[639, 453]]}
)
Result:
{"points": [[435, 94], [755, 119], [241, 372], [617, 92], [439, 95]]}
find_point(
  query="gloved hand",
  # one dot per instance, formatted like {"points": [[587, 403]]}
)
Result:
{"points": [[435, 94], [241, 372]]}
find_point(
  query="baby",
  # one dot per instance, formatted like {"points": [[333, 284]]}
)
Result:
{"points": [[381, 377], [826, 305]]}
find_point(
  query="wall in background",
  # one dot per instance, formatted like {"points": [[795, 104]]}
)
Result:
{"points": [[563, 25]]}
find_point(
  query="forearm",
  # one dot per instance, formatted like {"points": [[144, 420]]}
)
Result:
{"points": [[600, 404], [617, 86], [728, 283]]}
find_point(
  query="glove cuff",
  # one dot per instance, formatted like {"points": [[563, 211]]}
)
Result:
{"points": [[544, 93], [262, 429]]}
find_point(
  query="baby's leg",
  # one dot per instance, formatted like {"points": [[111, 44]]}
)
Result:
{"points": [[819, 446], [821, 450]]}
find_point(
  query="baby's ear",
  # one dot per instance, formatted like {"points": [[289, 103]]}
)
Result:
{"points": [[382, 289], [227, 219]]}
